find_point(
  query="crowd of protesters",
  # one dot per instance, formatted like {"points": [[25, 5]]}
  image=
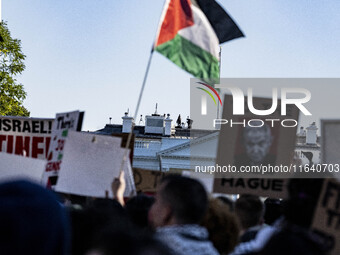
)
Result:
{"points": [[180, 219]]}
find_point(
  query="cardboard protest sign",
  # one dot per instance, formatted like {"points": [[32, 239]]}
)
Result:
{"points": [[62, 124], [253, 147], [273, 188], [148, 180], [18, 167], [330, 146], [90, 164], [326, 221], [29, 137], [124, 137], [257, 146]]}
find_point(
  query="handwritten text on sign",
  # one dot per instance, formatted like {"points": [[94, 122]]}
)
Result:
{"points": [[327, 216], [29, 137]]}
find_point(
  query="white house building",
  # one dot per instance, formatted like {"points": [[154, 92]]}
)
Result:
{"points": [[161, 146]]}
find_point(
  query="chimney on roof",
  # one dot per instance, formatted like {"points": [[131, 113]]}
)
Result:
{"points": [[127, 123], [154, 124], [141, 121], [311, 134], [167, 126]]}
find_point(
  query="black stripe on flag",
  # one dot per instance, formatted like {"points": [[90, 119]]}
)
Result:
{"points": [[224, 26]]}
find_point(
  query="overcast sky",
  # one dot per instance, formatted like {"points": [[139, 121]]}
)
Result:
{"points": [[92, 55]]}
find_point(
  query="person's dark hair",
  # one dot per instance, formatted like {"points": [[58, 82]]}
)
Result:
{"points": [[137, 209], [187, 198], [295, 236], [227, 201], [32, 221], [128, 242], [90, 221], [273, 210], [294, 242], [221, 225], [303, 197], [249, 209]]}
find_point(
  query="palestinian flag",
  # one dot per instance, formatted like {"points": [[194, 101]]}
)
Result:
{"points": [[190, 32]]}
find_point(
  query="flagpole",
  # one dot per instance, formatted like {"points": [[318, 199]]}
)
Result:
{"points": [[136, 111], [139, 99], [143, 85]]}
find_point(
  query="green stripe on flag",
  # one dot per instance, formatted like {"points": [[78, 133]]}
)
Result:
{"points": [[191, 58]]}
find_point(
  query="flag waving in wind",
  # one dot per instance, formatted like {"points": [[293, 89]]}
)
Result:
{"points": [[190, 32]]}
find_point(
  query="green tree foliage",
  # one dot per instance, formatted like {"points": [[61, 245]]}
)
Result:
{"points": [[12, 93]]}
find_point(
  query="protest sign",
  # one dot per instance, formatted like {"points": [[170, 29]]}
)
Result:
{"points": [[18, 167], [148, 180], [255, 152], [90, 164], [273, 188], [131, 147], [326, 221], [253, 146], [62, 124], [330, 146], [29, 137]]}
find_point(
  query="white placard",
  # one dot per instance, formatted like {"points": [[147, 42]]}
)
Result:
{"points": [[18, 167], [90, 163]]}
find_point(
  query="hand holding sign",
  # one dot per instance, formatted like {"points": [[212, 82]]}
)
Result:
{"points": [[118, 188]]}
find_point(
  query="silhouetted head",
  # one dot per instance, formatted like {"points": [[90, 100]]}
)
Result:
{"points": [[303, 198], [179, 200], [127, 242], [32, 221], [89, 222], [221, 225], [137, 209], [249, 210], [273, 210]]}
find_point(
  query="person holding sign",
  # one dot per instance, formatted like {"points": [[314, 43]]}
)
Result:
{"points": [[294, 236], [180, 205]]}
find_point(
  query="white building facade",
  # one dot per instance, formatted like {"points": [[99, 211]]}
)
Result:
{"points": [[161, 146]]}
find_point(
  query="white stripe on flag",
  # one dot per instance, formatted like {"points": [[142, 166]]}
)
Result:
{"points": [[201, 33]]}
